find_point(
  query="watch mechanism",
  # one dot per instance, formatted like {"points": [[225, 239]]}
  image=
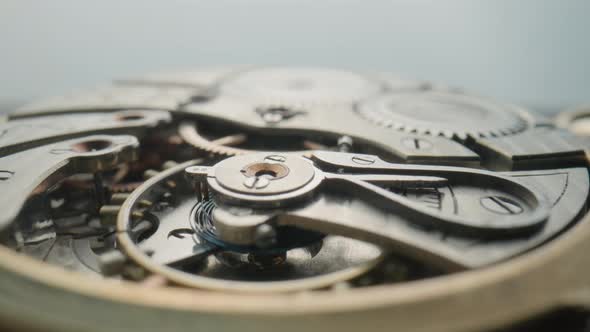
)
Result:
{"points": [[248, 198]]}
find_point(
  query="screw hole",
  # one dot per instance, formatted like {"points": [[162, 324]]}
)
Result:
{"points": [[267, 172], [275, 171]]}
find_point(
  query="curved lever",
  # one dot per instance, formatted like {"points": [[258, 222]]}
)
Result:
{"points": [[349, 199], [29, 132], [533, 208], [353, 219], [25, 171]]}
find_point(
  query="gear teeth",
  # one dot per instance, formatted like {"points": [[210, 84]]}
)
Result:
{"points": [[421, 131], [435, 132], [494, 121], [461, 136], [447, 133], [189, 134]]}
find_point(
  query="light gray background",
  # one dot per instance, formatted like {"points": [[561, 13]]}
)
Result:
{"points": [[530, 52]]}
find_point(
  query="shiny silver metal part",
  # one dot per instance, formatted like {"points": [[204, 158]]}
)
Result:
{"points": [[267, 198]]}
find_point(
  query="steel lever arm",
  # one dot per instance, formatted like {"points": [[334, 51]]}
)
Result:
{"points": [[528, 221], [533, 215], [354, 219], [22, 173]]}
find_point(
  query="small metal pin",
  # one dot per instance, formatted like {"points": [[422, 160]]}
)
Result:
{"points": [[345, 144], [169, 164], [276, 158], [150, 173], [108, 214], [256, 182], [119, 198], [144, 203], [137, 215]]}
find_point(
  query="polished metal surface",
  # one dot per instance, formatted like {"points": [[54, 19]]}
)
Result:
{"points": [[271, 194]]}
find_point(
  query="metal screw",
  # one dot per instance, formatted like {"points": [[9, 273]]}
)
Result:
{"points": [[5, 175], [276, 158], [416, 143], [169, 164], [119, 198], [256, 182], [363, 160], [501, 205], [108, 214]]}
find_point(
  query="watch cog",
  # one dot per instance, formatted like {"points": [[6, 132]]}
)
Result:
{"points": [[448, 114], [225, 146], [221, 146]]}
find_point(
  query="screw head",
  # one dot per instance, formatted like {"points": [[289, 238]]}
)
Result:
{"points": [[501, 205], [276, 158], [256, 182], [344, 143], [363, 160], [5, 175]]}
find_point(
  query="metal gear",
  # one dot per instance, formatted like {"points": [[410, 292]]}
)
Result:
{"points": [[222, 266], [441, 113], [247, 242], [222, 146]]}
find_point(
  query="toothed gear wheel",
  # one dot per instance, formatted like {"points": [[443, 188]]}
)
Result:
{"points": [[298, 88], [222, 147], [446, 114], [188, 131]]}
